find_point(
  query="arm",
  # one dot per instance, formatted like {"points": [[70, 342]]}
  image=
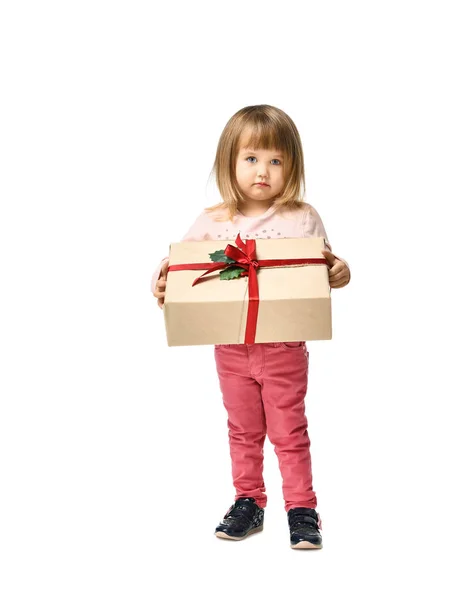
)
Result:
{"points": [[196, 233], [314, 227]]}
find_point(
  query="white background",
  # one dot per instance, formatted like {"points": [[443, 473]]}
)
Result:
{"points": [[115, 466]]}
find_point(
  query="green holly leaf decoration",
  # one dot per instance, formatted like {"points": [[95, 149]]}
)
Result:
{"points": [[231, 272], [219, 256]]}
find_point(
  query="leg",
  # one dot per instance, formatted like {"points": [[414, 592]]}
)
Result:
{"points": [[246, 421], [284, 387]]}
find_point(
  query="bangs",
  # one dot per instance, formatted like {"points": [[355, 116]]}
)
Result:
{"points": [[264, 134]]}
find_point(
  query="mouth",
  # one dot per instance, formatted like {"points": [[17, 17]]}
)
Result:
{"points": [[262, 184]]}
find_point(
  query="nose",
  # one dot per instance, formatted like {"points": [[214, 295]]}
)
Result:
{"points": [[262, 169]]}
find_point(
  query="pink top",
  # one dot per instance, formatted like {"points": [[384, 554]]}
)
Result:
{"points": [[272, 224]]}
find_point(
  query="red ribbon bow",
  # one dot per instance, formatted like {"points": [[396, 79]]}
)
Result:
{"points": [[245, 256]]}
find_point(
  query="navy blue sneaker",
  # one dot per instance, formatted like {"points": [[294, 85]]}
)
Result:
{"points": [[304, 524], [243, 518]]}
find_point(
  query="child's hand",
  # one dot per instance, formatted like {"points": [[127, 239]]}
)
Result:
{"points": [[338, 272], [161, 285]]}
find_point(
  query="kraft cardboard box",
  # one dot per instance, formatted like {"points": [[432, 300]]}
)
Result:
{"points": [[294, 300]]}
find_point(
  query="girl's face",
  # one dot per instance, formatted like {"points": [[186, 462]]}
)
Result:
{"points": [[259, 166]]}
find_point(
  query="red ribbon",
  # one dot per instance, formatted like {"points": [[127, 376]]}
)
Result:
{"points": [[245, 256]]}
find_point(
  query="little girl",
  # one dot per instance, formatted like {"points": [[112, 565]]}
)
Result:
{"points": [[259, 171]]}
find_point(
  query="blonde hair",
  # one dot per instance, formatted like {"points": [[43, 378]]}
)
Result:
{"points": [[270, 128]]}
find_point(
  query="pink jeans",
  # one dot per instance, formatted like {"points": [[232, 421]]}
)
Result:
{"points": [[263, 388]]}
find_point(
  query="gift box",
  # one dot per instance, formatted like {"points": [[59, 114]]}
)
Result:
{"points": [[247, 291]]}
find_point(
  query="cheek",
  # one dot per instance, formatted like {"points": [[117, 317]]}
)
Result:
{"points": [[240, 179], [241, 171], [280, 177]]}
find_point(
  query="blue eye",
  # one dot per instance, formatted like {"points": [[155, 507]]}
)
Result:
{"points": [[254, 158]]}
